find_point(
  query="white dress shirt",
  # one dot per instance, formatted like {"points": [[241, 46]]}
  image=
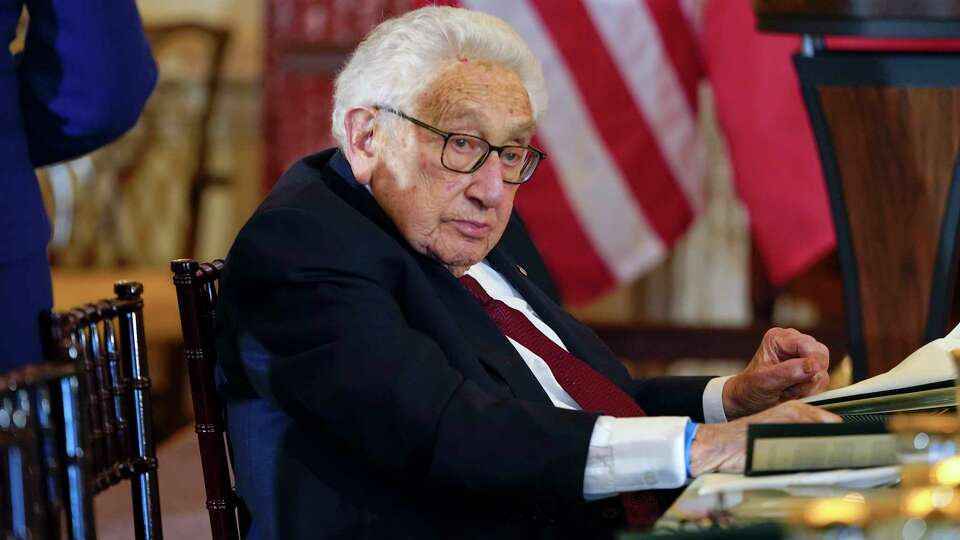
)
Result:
{"points": [[625, 454]]}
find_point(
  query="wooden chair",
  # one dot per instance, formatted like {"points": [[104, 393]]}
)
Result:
{"points": [[80, 423], [144, 192], [115, 398], [197, 285], [207, 46]]}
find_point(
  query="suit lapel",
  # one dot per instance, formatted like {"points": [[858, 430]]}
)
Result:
{"points": [[483, 336]]}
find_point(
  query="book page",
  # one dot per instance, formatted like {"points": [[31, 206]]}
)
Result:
{"points": [[785, 454], [929, 364]]}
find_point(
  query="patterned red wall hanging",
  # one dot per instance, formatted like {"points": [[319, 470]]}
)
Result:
{"points": [[306, 42]]}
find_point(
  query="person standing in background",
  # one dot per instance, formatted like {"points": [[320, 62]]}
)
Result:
{"points": [[81, 81]]}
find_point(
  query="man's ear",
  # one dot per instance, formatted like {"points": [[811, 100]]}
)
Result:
{"points": [[359, 148]]}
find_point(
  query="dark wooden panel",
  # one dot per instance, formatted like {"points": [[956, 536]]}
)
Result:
{"points": [[895, 148], [862, 9], [869, 18]]}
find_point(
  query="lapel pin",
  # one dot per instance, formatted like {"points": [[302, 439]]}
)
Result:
{"points": [[522, 271]]}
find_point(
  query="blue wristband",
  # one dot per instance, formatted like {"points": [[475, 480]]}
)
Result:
{"points": [[689, 432]]}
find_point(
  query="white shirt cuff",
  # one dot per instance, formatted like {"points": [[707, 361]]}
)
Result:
{"points": [[713, 412], [631, 454]]}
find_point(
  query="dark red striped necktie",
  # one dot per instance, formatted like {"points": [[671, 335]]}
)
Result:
{"points": [[592, 391]]}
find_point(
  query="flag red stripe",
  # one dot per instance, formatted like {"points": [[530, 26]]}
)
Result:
{"points": [[580, 272], [617, 118], [679, 42]]}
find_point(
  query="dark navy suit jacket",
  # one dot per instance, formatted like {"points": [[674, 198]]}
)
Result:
{"points": [[369, 395]]}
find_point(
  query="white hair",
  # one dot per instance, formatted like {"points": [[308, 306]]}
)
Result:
{"points": [[401, 56]]}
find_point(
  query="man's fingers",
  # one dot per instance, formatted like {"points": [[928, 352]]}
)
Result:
{"points": [[816, 414], [795, 392], [786, 360], [788, 373], [818, 383], [789, 343], [795, 412], [811, 414]]}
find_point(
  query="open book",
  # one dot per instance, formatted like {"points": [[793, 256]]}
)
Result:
{"points": [[925, 380], [782, 448]]}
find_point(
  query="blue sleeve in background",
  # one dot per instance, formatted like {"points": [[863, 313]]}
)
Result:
{"points": [[84, 75], [689, 434]]}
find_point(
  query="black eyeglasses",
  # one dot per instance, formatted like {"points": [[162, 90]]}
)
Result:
{"points": [[464, 153]]}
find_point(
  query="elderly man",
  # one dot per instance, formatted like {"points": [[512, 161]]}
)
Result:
{"points": [[390, 372]]}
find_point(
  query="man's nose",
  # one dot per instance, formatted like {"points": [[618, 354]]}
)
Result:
{"points": [[487, 186]]}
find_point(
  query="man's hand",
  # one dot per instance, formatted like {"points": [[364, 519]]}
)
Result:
{"points": [[788, 365], [723, 447]]}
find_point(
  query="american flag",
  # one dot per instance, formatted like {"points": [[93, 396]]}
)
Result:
{"points": [[623, 181], [623, 178]]}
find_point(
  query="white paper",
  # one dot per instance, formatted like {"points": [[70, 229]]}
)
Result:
{"points": [[929, 364], [845, 478]]}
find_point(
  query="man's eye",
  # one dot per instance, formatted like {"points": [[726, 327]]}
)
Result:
{"points": [[511, 157], [463, 143]]}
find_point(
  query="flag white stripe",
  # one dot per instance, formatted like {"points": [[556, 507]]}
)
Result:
{"points": [[693, 11], [605, 209], [632, 38]]}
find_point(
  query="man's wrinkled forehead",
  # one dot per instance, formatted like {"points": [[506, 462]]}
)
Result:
{"points": [[465, 114], [477, 93]]}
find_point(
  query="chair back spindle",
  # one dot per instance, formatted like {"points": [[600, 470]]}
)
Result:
{"points": [[48, 428], [42, 432], [143, 462], [15, 419]]}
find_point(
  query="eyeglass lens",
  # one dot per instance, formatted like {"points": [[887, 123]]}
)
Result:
{"points": [[464, 153]]}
